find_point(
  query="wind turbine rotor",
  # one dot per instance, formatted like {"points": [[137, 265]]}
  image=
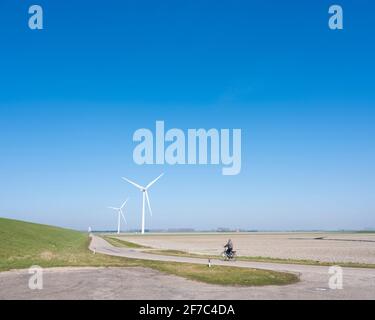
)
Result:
{"points": [[122, 215], [153, 181], [124, 203], [144, 197], [134, 184], [148, 202]]}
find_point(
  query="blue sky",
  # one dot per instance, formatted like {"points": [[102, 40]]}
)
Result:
{"points": [[72, 95]]}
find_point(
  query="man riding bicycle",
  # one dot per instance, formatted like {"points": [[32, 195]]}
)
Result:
{"points": [[229, 247]]}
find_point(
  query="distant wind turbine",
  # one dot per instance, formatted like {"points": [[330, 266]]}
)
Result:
{"points": [[144, 198], [120, 214]]}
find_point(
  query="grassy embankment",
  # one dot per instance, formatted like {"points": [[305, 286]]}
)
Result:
{"points": [[24, 244]]}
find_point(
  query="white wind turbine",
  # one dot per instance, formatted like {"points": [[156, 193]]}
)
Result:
{"points": [[120, 214], [144, 198]]}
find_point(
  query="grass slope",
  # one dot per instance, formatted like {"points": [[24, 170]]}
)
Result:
{"points": [[24, 244]]}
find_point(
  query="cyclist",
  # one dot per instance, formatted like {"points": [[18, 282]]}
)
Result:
{"points": [[229, 248]]}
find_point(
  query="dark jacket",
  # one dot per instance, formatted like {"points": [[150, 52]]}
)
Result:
{"points": [[229, 245]]}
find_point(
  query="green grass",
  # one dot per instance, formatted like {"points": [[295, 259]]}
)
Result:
{"points": [[122, 243], [223, 275], [179, 253], [24, 244]]}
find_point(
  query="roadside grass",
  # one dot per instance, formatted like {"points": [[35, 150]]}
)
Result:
{"points": [[224, 275], [179, 253], [122, 243], [24, 244]]}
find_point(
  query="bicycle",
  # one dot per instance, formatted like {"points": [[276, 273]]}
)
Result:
{"points": [[232, 256]]}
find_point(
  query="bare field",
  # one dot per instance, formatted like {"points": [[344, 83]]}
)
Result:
{"points": [[324, 247]]}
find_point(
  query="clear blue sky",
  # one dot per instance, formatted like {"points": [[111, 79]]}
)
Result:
{"points": [[72, 95]]}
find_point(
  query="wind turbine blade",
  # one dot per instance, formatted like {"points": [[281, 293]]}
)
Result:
{"points": [[153, 181], [148, 202], [123, 217], [124, 203], [113, 208], [134, 184]]}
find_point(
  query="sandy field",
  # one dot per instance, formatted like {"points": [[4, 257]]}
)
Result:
{"points": [[330, 247]]}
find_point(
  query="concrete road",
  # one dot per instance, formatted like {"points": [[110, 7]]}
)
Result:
{"points": [[142, 283]]}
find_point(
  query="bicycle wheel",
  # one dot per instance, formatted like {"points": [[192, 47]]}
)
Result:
{"points": [[224, 257]]}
